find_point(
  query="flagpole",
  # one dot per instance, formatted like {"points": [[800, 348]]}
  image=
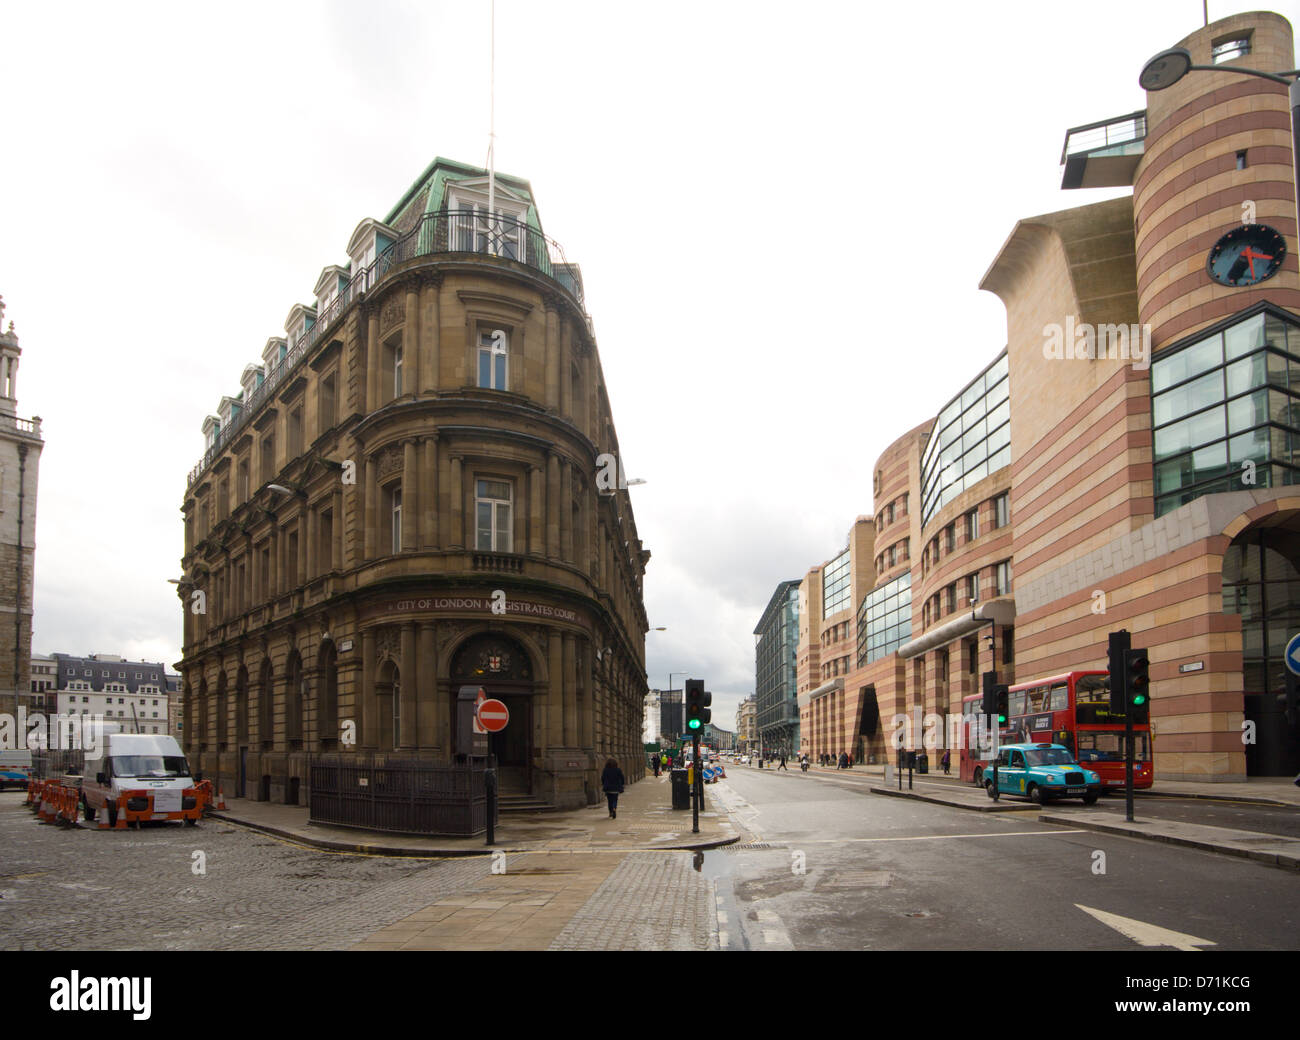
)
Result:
{"points": [[492, 136]]}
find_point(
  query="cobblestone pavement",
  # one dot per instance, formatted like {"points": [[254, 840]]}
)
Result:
{"points": [[650, 901], [77, 889]]}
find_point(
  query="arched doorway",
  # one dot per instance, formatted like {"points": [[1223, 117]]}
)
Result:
{"points": [[1261, 571], [503, 668]]}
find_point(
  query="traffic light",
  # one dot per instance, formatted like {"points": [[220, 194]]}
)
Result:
{"points": [[698, 700], [1003, 695], [990, 702], [1119, 645], [1137, 678]]}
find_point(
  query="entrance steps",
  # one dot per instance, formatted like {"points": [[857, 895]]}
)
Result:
{"points": [[517, 803]]}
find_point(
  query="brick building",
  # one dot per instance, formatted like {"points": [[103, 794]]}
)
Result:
{"points": [[1130, 458]]}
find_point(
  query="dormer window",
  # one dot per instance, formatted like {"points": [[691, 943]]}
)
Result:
{"points": [[298, 324], [330, 296], [275, 351], [472, 229], [211, 431], [365, 249]]}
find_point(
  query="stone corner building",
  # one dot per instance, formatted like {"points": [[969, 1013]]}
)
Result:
{"points": [[20, 455], [413, 493]]}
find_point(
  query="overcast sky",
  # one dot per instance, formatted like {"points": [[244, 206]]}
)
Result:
{"points": [[781, 211]]}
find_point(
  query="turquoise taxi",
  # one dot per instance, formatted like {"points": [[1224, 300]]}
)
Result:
{"points": [[1041, 773]]}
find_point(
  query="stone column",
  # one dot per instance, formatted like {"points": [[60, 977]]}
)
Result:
{"points": [[536, 524], [368, 510], [566, 511], [428, 731], [372, 360], [411, 342], [410, 490], [336, 548], [410, 685], [566, 374], [366, 695], [313, 533], [552, 354], [429, 493], [585, 707], [588, 403], [430, 337], [555, 702], [456, 490], [300, 564], [570, 691], [552, 505]]}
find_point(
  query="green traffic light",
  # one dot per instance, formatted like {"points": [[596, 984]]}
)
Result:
{"points": [[694, 724], [1139, 699]]}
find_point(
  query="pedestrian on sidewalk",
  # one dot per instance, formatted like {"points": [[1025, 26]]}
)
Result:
{"points": [[783, 765], [656, 766], [946, 761], [611, 780]]}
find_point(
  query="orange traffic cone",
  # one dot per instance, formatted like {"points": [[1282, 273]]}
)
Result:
{"points": [[221, 799]]}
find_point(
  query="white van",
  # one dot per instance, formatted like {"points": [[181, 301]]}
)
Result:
{"points": [[15, 769], [151, 764]]}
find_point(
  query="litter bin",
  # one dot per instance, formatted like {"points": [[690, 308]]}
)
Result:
{"points": [[681, 790], [922, 762]]}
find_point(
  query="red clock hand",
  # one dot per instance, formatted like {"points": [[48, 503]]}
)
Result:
{"points": [[1250, 256]]}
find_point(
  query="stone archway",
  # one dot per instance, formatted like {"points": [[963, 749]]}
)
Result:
{"points": [[504, 669]]}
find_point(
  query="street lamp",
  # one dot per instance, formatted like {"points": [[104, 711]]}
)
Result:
{"points": [[1168, 67]]}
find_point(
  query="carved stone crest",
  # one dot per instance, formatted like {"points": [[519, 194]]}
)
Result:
{"points": [[388, 645], [390, 460], [393, 311]]}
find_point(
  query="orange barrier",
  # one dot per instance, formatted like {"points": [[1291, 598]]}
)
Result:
{"points": [[53, 801], [126, 816]]}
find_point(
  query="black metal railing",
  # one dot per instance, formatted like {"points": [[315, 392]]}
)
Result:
{"points": [[448, 231], [399, 796]]}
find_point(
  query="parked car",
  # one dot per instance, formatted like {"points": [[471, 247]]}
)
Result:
{"points": [[1042, 773]]}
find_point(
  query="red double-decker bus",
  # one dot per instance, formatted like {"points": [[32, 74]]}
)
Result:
{"points": [[1072, 709]]}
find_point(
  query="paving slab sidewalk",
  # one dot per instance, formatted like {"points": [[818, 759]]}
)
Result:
{"points": [[645, 821]]}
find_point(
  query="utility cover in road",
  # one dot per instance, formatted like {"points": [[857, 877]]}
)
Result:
{"points": [[493, 715]]}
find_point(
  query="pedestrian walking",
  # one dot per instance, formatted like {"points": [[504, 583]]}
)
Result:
{"points": [[657, 763], [783, 765], [946, 761], [611, 780]]}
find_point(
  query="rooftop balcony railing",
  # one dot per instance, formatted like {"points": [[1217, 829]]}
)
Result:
{"points": [[446, 232]]}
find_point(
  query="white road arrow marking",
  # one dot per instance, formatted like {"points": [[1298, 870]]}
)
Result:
{"points": [[1146, 934]]}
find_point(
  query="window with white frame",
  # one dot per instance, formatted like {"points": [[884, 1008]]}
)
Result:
{"points": [[494, 360], [492, 515], [474, 230], [395, 513]]}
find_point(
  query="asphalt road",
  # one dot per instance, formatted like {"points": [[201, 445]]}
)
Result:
{"points": [[833, 866]]}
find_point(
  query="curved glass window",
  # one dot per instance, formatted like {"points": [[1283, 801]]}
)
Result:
{"points": [[971, 439], [837, 594], [885, 619], [1225, 411]]}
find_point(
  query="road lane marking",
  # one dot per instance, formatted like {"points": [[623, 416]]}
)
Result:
{"points": [[940, 837], [1145, 934]]}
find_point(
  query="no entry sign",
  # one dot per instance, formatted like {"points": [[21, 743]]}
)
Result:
{"points": [[493, 715]]}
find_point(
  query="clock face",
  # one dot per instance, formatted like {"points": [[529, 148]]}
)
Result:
{"points": [[1246, 255]]}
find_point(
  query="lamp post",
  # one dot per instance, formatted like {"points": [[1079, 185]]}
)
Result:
{"points": [[1168, 67]]}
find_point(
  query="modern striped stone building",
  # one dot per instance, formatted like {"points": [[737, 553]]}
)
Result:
{"points": [[418, 489], [1130, 458]]}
